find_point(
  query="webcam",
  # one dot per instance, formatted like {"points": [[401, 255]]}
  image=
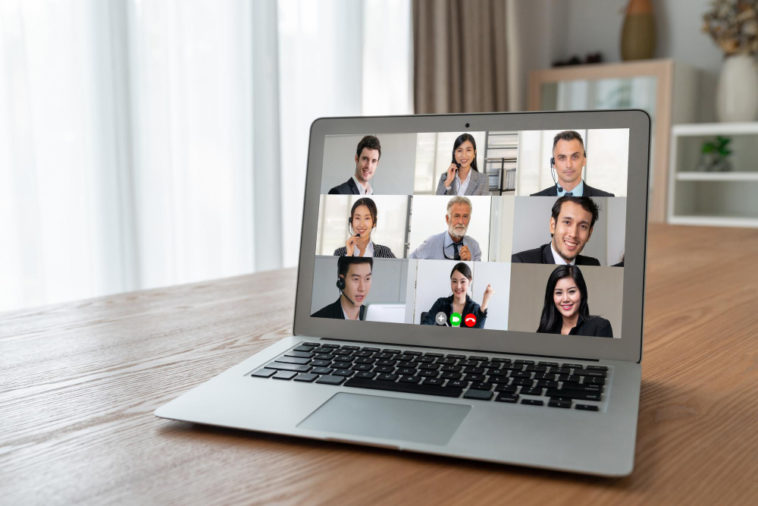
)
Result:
{"points": [[468, 125]]}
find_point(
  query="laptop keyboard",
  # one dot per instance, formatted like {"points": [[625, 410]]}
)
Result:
{"points": [[534, 383]]}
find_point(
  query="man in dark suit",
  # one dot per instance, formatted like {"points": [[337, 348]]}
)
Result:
{"points": [[367, 156], [569, 158], [571, 224], [354, 283]]}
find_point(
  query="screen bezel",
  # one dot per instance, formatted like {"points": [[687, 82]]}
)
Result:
{"points": [[628, 347]]}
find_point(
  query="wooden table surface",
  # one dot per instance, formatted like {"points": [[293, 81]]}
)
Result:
{"points": [[80, 382]]}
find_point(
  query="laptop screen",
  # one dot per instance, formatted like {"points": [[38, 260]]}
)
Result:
{"points": [[511, 230]]}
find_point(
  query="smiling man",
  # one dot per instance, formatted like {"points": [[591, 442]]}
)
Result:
{"points": [[367, 156], [569, 158], [354, 283], [571, 224]]}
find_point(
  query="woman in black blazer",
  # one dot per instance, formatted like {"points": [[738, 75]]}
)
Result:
{"points": [[460, 302], [361, 222], [566, 310]]}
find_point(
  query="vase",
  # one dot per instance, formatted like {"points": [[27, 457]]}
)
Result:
{"points": [[737, 92], [638, 32]]}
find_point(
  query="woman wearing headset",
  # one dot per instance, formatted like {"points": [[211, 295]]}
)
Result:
{"points": [[460, 302], [361, 222], [566, 310], [463, 176]]}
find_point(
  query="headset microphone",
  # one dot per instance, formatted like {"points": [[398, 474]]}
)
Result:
{"points": [[341, 288], [552, 174]]}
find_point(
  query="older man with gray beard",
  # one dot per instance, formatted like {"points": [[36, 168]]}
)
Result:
{"points": [[452, 244]]}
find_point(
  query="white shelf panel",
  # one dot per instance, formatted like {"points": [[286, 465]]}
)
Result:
{"points": [[715, 221], [715, 128], [717, 176]]}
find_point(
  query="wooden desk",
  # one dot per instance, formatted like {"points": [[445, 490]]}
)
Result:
{"points": [[80, 382]]}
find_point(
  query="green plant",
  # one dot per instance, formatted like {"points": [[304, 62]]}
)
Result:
{"points": [[719, 146]]}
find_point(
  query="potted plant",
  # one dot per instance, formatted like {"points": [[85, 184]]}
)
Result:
{"points": [[714, 155]]}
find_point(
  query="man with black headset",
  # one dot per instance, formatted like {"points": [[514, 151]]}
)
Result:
{"points": [[354, 283], [569, 158]]}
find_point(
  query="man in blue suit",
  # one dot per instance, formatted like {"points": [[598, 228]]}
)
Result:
{"points": [[366, 160]]}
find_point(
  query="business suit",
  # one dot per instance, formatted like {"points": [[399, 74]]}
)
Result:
{"points": [[347, 188], [478, 184], [593, 326], [379, 252], [445, 305], [544, 255], [589, 191], [334, 310]]}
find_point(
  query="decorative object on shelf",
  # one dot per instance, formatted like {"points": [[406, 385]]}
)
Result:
{"points": [[638, 31], [576, 60], [733, 25], [714, 155]]}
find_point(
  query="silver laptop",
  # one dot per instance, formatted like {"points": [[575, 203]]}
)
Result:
{"points": [[484, 299]]}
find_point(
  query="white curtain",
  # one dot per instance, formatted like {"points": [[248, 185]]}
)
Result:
{"points": [[152, 143]]}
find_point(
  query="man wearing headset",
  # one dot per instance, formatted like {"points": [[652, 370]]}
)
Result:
{"points": [[569, 158], [354, 283], [453, 244], [367, 156]]}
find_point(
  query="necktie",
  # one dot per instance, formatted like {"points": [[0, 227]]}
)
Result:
{"points": [[457, 255]]}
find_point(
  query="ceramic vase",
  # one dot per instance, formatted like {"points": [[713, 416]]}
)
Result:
{"points": [[638, 32], [737, 92]]}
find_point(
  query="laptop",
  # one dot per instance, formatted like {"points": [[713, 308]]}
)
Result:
{"points": [[506, 320]]}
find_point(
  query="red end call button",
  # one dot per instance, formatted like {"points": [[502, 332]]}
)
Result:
{"points": [[470, 320]]}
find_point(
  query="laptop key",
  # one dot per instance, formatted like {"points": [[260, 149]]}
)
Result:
{"points": [[331, 380], [597, 368], [458, 384], [284, 375], [507, 397], [409, 379], [303, 348], [586, 407], [306, 376], [264, 373], [343, 372], [482, 395], [321, 370], [365, 375], [483, 385], [288, 367], [301, 354], [559, 403], [532, 402], [293, 360], [410, 388]]}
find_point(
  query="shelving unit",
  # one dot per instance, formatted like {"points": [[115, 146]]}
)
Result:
{"points": [[727, 199]]}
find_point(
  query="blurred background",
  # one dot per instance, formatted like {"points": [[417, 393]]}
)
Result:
{"points": [[146, 143]]}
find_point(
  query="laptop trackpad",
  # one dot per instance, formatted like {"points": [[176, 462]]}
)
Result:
{"points": [[388, 418]]}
